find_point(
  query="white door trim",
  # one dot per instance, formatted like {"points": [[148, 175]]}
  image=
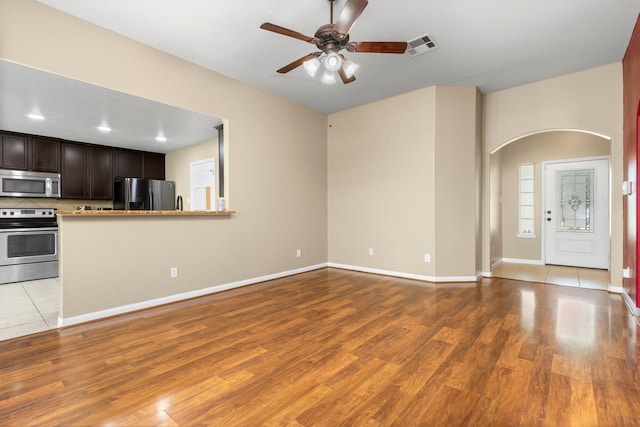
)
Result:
{"points": [[543, 194]]}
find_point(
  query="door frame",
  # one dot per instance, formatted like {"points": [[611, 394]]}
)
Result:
{"points": [[543, 194]]}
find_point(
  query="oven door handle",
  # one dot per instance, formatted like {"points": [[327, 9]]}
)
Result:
{"points": [[27, 229]]}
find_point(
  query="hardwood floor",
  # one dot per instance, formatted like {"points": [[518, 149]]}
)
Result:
{"points": [[333, 347]]}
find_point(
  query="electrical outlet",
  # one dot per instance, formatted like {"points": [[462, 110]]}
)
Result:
{"points": [[174, 272], [370, 251], [427, 257], [298, 253]]}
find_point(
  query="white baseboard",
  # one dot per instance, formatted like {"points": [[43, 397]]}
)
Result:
{"points": [[441, 279], [497, 263], [88, 317], [630, 305], [615, 289], [523, 261]]}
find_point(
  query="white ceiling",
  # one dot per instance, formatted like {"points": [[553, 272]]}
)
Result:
{"points": [[73, 110], [491, 44]]}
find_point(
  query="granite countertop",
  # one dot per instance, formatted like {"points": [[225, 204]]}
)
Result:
{"points": [[101, 213]]}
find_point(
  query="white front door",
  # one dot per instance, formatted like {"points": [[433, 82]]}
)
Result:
{"points": [[576, 213]]}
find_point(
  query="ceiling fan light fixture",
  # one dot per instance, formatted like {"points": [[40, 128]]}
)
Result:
{"points": [[311, 66], [333, 62], [329, 77], [350, 68]]}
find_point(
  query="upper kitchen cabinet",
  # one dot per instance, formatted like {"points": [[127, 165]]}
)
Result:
{"points": [[14, 150], [74, 174], [29, 152], [128, 163], [154, 166], [100, 173], [45, 154]]}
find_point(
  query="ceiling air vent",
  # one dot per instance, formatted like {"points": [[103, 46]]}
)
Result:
{"points": [[420, 45]]}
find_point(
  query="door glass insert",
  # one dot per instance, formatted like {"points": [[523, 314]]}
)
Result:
{"points": [[575, 200]]}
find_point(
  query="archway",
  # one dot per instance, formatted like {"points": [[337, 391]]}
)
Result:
{"points": [[507, 243]]}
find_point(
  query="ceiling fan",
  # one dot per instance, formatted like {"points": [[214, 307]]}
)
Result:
{"points": [[331, 39]]}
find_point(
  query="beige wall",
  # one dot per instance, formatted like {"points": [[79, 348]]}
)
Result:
{"points": [[590, 100], [456, 200], [495, 207], [387, 191], [178, 167], [537, 148], [381, 184], [277, 168], [479, 168]]}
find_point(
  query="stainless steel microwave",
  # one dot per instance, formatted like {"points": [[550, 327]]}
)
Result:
{"points": [[29, 184]]}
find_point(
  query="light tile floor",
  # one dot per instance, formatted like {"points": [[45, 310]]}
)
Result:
{"points": [[28, 307], [555, 274]]}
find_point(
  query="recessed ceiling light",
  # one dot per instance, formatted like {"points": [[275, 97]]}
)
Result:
{"points": [[161, 138], [104, 128], [35, 116]]}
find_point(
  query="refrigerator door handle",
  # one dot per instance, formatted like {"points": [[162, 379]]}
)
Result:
{"points": [[151, 204], [127, 196]]}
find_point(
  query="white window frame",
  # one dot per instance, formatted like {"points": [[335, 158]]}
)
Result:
{"points": [[526, 201]]}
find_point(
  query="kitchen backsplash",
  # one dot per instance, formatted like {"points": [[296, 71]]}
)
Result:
{"points": [[60, 204]]}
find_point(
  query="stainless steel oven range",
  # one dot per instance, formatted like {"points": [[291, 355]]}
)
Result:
{"points": [[28, 244]]}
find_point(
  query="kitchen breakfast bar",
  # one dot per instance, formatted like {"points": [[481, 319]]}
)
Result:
{"points": [[114, 261]]}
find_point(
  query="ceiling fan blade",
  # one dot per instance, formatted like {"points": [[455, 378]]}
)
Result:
{"points": [[377, 47], [350, 12], [298, 62], [286, 32], [344, 77]]}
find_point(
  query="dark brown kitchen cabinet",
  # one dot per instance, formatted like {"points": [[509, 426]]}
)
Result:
{"points": [[74, 170], [100, 173], [14, 150], [86, 170], [127, 163], [29, 152], [153, 165], [45, 154]]}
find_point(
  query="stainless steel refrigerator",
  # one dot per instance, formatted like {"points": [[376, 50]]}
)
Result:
{"points": [[143, 194]]}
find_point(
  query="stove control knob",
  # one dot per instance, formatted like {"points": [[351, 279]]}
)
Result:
{"points": [[4, 213], [11, 213]]}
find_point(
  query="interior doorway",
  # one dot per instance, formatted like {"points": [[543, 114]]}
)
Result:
{"points": [[508, 243], [202, 185]]}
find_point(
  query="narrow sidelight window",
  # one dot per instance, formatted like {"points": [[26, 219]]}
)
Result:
{"points": [[526, 227]]}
